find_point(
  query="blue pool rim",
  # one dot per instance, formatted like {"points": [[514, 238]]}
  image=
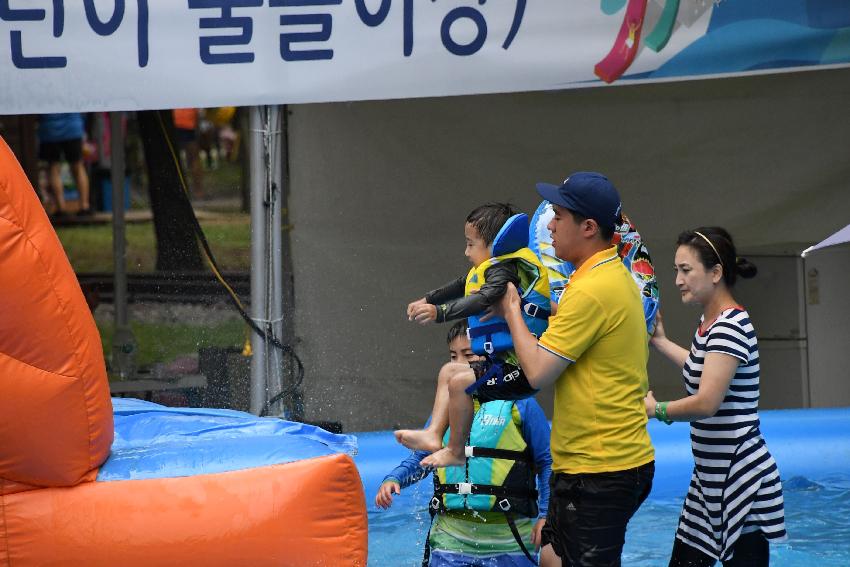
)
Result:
{"points": [[810, 443]]}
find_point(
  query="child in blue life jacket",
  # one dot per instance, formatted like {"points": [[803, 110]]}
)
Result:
{"points": [[500, 522], [496, 245]]}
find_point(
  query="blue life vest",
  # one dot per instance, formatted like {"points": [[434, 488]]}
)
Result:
{"points": [[510, 245], [499, 474]]}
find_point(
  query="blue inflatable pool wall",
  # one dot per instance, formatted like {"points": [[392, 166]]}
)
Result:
{"points": [[810, 443]]}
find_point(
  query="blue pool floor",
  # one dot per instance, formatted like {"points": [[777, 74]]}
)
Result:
{"points": [[817, 519]]}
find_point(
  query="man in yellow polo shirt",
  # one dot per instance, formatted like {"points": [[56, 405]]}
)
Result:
{"points": [[595, 352]]}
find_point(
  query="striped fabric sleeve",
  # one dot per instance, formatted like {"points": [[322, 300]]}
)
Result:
{"points": [[728, 337]]}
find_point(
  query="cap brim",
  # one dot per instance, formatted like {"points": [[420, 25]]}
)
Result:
{"points": [[551, 193]]}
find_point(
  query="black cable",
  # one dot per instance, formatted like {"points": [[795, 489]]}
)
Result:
{"points": [[231, 294]]}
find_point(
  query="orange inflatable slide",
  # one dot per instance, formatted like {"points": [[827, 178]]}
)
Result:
{"points": [[86, 480]]}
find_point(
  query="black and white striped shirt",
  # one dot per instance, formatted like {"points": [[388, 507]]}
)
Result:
{"points": [[735, 486]]}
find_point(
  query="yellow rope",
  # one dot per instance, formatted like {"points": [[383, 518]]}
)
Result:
{"points": [[246, 350]]}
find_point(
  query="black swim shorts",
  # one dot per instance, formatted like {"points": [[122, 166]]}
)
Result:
{"points": [[589, 512], [52, 152]]}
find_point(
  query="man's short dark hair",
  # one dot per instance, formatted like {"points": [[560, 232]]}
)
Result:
{"points": [[605, 233], [490, 218]]}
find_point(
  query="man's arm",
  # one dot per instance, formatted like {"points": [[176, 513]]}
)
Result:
{"points": [[540, 366]]}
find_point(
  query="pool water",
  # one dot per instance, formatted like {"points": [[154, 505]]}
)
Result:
{"points": [[817, 516]]}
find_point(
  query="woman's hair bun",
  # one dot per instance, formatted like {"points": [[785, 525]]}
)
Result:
{"points": [[745, 268]]}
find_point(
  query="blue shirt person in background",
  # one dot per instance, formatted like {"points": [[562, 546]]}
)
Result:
{"points": [[61, 136]]}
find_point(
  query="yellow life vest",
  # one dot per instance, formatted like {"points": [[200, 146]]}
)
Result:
{"points": [[493, 335]]}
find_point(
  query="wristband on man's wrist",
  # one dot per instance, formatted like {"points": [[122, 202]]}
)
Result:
{"points": [[661, 412]]}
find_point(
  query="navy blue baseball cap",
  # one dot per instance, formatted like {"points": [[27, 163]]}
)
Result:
{"points": [[587, 193]]}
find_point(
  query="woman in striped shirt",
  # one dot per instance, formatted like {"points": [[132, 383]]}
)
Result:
{"points": [[734, 503]]}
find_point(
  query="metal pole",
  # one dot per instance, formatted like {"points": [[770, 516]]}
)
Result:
{"points": [[276, 359], [266, 252], [123, 342], [259, 269]]}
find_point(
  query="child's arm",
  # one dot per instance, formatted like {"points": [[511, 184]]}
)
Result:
{"points": [[536, 431], [496, 280], [408, 471], [425, 310], [452, 290]]}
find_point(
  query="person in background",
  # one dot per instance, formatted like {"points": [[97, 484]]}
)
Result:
{"points": [[734, 503], [466, 531], [186, 129], [61, 136]]}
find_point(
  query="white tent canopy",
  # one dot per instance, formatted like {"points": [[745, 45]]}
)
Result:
{"points": [[840, 237]]}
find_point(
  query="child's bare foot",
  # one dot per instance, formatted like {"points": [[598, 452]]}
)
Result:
{"points": [[443, 458], [418, 439]]}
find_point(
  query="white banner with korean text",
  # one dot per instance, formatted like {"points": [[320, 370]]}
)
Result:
{"points": [[86, 55]]}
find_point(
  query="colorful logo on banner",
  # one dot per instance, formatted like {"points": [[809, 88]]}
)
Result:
{"points": [[741, 36]]}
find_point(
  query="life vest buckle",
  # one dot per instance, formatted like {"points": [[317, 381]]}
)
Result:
{"points": [[531, 309], [464, 488], [504, 505], [469, 452], [488, 346], [435, 503]]}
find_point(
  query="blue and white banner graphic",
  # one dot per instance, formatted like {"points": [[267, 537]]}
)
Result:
{"points": [[84, 55]]}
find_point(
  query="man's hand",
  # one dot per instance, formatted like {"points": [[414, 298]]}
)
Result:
{"points": [[509, 302], [384, 498]]}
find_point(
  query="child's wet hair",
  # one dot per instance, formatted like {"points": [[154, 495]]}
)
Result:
{"points": [[457, 330], [490, 218]]}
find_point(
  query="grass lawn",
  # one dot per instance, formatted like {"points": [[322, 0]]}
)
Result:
{"points": [[163, 342], [158, 337], [89, 247]]}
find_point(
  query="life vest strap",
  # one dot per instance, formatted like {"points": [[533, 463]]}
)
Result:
{"points": [[436, 506], [485, 490], [512, 524], [524, 456], [487, 330], [535, 311]]}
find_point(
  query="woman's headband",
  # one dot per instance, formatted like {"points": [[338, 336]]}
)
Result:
{"points": [[716, 253]]}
